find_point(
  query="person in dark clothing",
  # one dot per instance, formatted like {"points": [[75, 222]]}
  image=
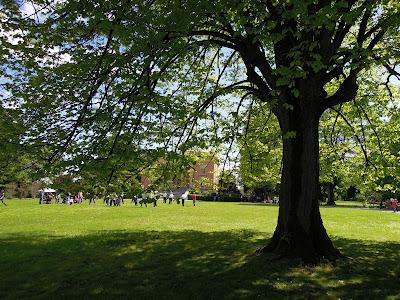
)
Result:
{"points": [[144, 199], [153, 198], [381, 204], [41, 195], [2, 197], [92, 198], [113, 200]]}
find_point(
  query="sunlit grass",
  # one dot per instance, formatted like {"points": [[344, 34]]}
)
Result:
{"points": [[172, 252]]}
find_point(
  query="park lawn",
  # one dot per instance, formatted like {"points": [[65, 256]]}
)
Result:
{"points": [[175, 252], [349, 203]]}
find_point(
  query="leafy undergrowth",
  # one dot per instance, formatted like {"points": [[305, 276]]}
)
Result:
{"points": [[171, 252]]}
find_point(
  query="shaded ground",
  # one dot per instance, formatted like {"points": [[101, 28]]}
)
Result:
{"points": [[186, 264]]}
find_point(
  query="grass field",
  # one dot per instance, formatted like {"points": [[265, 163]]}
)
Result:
{"points": [[174, 252]]}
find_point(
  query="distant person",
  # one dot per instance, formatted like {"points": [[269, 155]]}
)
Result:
{"points": [[41, 194], [70, 200], [118, 200], [184, 197], [165, 197], [135, 200], [2, 195], [152, 198], [58, 198], [194, 198], [394, 203], [381, 204], [156, 197], [92, 198], [80, 197], [171, 197], [49, 198], [111, 199], [144, 199]]}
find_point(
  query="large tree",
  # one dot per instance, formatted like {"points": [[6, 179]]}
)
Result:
{"points": [[149, 75]]}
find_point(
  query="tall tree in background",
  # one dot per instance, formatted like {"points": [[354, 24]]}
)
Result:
{"points": [[260, 150], [357, 139], [17, 164], [152, 74]]}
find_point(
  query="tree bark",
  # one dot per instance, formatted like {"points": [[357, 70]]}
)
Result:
{"points": [[300, 232], [330, 186]]}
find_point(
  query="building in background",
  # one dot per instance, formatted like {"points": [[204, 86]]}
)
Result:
{"points": [[206, 175], [202, 176]]}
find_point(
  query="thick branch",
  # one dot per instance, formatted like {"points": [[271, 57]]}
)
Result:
{"points": [[345, 93], [254, 57], [363, 27]]}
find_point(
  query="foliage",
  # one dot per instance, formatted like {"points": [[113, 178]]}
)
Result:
{"points": [[124, 82], [357, 139], [260, 150], [17, 164]]}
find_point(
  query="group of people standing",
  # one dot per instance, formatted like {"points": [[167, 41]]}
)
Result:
{"points": [[114, 199], [154, 196], [67, 198]]}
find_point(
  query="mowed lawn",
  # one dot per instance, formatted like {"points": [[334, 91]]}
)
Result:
{"points": [[175, 252]]}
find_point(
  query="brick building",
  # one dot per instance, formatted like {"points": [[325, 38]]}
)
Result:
{"points": [[202, 176], [205, 175]]}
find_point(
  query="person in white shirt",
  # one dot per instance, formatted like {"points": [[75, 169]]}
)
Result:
{"points": [[184, 197], [165, 197], [69, 200]]}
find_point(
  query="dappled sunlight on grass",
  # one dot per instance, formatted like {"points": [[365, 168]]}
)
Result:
{"points": [[157, 254], [164, 264]]}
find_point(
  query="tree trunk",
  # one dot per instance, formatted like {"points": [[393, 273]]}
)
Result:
{"points": [[300, 232], [330, 186]]}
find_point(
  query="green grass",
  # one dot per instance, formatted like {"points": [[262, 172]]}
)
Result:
{"points": [[174, 252], [349, 203]]}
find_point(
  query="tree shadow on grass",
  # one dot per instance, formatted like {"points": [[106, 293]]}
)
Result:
{"points": [[186, 265], [259, 204]]}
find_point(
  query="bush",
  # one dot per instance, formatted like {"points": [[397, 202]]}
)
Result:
{"points": [[222, 198]]}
